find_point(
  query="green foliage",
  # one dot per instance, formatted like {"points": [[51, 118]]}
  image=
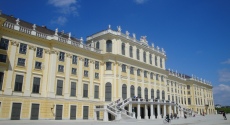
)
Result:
{"points": [[226, 110]]}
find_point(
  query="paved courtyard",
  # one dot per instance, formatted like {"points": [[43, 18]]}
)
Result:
{"points": [[198, 120]]}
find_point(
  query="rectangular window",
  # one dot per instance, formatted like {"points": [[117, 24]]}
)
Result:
{"points": [[60, 68], [123, 68], [21, 62], [131, 51], [138, 57], [138, 72], [188, 86], [157, 77], [123, 48], [61, 56], [85, 90], [23, 48], [96, 65], [74, 59], [2, 58], [39, 52], [96, 92], [18, 83], [151, 76], [36, 85], [74, 71], [59, 87], [73, 89], [145, 74], [131, 70], [4, 44], [150, 58], [189, 101], [1, 79], [85, 73], [38, 65], [108, 66], [86, 63], [96, 75]]}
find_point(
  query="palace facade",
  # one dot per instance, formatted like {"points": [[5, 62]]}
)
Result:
{"points": [[46, 74]]}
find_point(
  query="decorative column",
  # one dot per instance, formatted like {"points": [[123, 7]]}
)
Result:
{"points": [[170, 108], [30, 63], [130, 108], [80, 75], [67, 75], [158, 110], [138, 110], [52, 73], [105, 114], [174, 111], [146, 112], [102, 87], [119, 89], [152, 110], [128, 80], [45, 69], [91, 78], [13, 49], [164, 108]]}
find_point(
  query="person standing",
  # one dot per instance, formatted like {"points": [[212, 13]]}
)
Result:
{"points": [[224, 115]]}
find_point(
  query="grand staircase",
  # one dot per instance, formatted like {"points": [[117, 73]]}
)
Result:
{"points": [[117, 108]]}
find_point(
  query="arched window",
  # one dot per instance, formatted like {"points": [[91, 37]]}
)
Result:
{"points": [[98, 45], [146, 93], [139, 91], [108, 91], [152, 93], [163, 95], [138, 56], [156, 61], [109, 46], [158, 94], [124, 91], [123, 48], [132, 91], [144, 56], [130, 51]]}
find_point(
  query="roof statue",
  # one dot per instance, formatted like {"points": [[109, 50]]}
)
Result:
{"points": [[69, 35], [119, 28], [109, 26], [56, 31], [34, 26], [127, 33], [17, 21], [143, 39], [153, 45], [134, 35], [81, 40]]}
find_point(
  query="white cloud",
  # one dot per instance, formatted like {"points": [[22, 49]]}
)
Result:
{"points": [[221, 94], [140, 1], [60, 20], [226, 62], [65, 8], [224, 75]]}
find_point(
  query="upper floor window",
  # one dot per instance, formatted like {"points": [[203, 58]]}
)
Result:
{"points": [[60, 68], [108, 65], [74, 59], [145, 74], [59, 87], [4, 44], [188, 86], [18, 83], [108, 46], [39, 52], [36, 85], [156, 61], [150, 58], [157, 77], [96, 75], [86, 73], [138, 72], [144, 56], [2, 58], [131, 70], [130, 51], [123, 48], [1, 79], [21, 62], [61, 56], [123, 68], [151, 75], [23, 48], [138, 56], [86, 63], [162, 78], [38, 65], [160, 62], [98, 45], [74, 71], [96, 65]]}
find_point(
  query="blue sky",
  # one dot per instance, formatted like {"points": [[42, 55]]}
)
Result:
{"points": [[194, 33]]}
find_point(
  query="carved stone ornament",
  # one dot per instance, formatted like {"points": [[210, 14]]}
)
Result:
{"points": [[69, 55], [92, 61], [54, 52], [32, 47], [102, 63], [14, 43], [119, 64], [81, 58]]}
